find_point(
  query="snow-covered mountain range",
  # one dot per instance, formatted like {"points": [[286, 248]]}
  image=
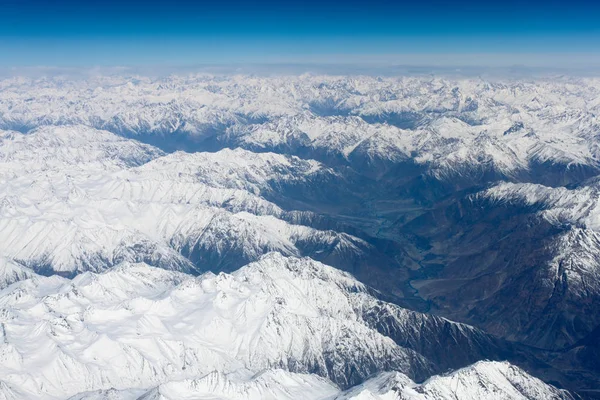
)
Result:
{"points": [[453, 128], [482, 380], [188, 212], [306, 236], [135, 326]]}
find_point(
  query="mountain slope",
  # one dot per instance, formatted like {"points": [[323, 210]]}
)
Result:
{"points": [[62, 212], [524, 257], [136, 326], [484, 380], [489, 380], [11, 272], [69, 148]]}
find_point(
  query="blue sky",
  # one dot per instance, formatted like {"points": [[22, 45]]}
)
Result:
{"points": [[177, 32]]}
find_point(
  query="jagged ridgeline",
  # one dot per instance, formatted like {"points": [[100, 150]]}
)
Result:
{"points": [[301, 237]]}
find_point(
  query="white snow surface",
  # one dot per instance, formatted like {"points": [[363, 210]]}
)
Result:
{"points": [[135, 326], [137, 331], [579, 205], [483, 380], [72, 213]]}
